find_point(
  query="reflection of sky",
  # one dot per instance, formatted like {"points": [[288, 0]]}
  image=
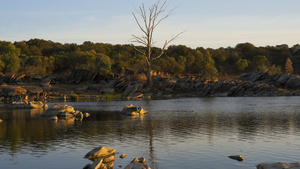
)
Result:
{"points": [[179, 133]]}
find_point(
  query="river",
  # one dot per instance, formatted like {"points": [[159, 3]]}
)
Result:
{"points": [[177, 133]]}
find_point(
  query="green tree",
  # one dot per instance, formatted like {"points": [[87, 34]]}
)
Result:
{"points": [[209, 69], [241, 65], [289, 66], [260, 63], [10, 57], [103, 64]]}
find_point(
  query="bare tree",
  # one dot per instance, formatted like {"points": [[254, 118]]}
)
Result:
{"points": [[150, 19]]}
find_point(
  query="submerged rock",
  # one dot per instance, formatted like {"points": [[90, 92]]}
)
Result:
{"points": [[131, 110], [279, 166]]}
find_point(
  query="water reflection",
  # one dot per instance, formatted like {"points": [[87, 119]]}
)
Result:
{"points": [[169, 123]]}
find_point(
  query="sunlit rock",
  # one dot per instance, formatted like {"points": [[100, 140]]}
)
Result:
{"points": [[139, 160], [138, 163], [100, 152], [27, 105], [63, 111], [131, 110], [110, 166], [86, 114], [45, 106], [109, 159], [123, 156], [96, 165], [237, 157], [279, 166]]}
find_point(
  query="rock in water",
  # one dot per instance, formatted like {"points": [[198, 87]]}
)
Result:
{"points": [[131, 110], [96, 165], [123, 156], [237, 157], [138, 163], [279, 166], [100, 152]]}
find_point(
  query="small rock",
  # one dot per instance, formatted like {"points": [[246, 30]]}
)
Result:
{"points": [[131, 110], [45, 106], [53, 118], [237, 157], [123, 156], [139, 160], [86, 114]]}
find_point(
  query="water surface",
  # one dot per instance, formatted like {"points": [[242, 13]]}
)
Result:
{"points": [[177, 133]]}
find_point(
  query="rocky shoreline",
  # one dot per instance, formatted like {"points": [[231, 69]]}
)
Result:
{"points": [[130, 85]]}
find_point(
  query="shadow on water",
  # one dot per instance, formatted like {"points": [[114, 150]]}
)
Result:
{"points": [[170, 124]]}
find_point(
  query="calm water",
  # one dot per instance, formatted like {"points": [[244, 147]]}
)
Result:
{"points": [[178, 133]]}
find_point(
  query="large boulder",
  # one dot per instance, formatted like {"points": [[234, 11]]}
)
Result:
{"points": [[100, 153], [59, 110], [64, 111], [293, 83], [282, 80], [279, 166], [131, 110]]}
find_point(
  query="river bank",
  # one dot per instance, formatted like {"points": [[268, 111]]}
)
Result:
{"points": [[83, 85]]}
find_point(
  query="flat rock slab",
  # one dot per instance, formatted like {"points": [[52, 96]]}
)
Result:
{"points": [[279, 166]]}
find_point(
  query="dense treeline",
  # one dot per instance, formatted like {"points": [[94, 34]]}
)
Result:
{"points": [[46, 58]]}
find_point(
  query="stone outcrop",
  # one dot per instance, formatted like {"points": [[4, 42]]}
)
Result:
{"points": [[278, 166], [131, 110], [128, 84], [11, 91]]}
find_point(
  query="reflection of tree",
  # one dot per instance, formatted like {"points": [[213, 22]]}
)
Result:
{"points": [[247, 124]]}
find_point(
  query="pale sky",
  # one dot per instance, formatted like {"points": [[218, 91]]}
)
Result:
{"points": [[207, 23]]}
